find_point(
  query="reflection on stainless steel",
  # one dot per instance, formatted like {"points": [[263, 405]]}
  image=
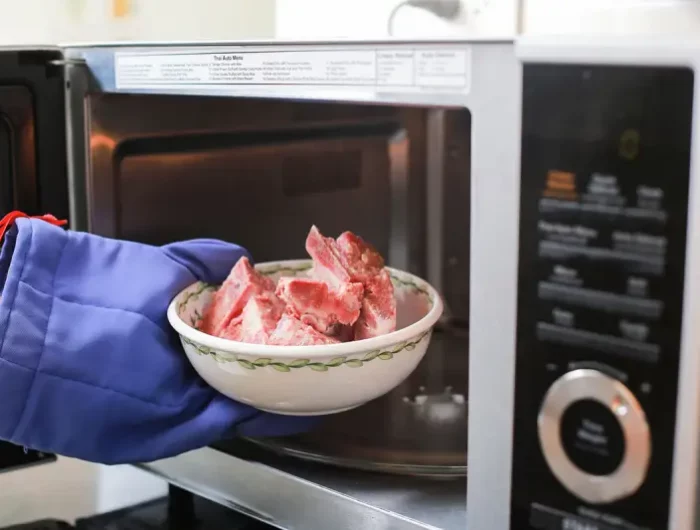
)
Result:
{"points": [[398, 254], [257, 172], [78, 83], [435, 199], [456, 214], [418, 429], [290, 494]]}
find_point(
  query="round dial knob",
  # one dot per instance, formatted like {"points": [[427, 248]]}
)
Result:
{"points": [[594, 436]]}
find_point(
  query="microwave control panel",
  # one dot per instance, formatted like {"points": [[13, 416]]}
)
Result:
{"points": [[605, 171]]}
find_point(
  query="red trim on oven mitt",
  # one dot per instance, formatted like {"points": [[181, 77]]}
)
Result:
{"points": [[7, 221]]}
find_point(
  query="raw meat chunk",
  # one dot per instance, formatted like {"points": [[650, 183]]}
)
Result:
{"points": [[293, 332], [366, 265], [328, 263], [378, 315], [341, 332], [361, 260], [257, 321], [349, 296], [242, 283], [315, 304]]}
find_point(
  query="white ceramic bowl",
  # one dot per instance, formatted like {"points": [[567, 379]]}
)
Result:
{"points": [[309, 380]]}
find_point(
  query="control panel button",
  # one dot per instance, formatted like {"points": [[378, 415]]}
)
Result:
{"points": [[607, 344], [547, 518], [594, 436], [601, 300]]}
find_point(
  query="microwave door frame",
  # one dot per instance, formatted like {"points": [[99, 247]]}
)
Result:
{"points": [[32, 113], [493, 100]]}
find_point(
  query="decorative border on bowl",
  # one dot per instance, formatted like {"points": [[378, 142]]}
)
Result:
{"points": [[384, 355], [224, 357], [191, 297]]}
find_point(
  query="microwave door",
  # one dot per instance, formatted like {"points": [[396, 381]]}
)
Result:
{"points": [[32, 160], [32, 132]]}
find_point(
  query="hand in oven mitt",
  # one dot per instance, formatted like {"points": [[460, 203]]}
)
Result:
{"points": [[89, 366]]}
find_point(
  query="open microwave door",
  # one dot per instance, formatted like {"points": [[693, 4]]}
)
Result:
{"points": [[32, 158], [32, 132]]}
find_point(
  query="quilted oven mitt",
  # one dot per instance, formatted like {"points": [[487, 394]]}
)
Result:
{"points": [[89, 366]]}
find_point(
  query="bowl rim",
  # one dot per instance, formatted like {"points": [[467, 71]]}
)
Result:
{"points": [[316, 350]]}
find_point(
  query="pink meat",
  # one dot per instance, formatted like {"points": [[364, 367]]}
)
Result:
{"points": [[315, 304], [361, 260], [242, 283], [328, 263], [293, 332], [257, 321], [378, 315], [348, 297], [341, 332], [366, 265]]}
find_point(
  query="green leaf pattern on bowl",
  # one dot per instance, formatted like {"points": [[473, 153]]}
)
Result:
{"points": [[194, 318], [384, 355]]}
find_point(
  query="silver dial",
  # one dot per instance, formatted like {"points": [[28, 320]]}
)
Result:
{"points": [[591, 386]]}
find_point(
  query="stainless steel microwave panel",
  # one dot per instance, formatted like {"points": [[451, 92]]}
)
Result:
{"points": [[605, 342]]}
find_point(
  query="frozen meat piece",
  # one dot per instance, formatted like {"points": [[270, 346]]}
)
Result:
{"points": [[341, 332], [350, 259], [328, 262], [378, 314], [257, 321], [234, 331], [360, 259], [315, 304], [291, 331], [243, 282]]}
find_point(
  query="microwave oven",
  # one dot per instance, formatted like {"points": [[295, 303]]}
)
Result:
{"points": [[254, 143], [544, 186]]}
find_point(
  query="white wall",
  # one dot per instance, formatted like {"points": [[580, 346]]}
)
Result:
{"points": [[367, 19], [640, 17], [68, 489], [327, 19], [57, 21], [121, 486], [63, 490]]}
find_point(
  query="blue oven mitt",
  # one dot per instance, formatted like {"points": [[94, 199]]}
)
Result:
{"points": [[89, 366]]}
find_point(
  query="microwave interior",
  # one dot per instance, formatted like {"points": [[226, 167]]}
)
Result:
{"points": [[260, 173]]}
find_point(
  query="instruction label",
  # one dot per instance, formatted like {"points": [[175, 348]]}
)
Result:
{"points": [[409, 69]]}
